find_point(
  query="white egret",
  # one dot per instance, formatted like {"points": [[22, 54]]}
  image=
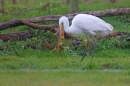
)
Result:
{"points": [[82, 23]]}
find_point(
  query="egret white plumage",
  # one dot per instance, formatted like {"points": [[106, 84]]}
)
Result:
{"points": [[82, 23]]}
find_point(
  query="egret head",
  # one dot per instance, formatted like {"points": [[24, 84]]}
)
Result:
{"points": [[63, 24], [63, 20]]}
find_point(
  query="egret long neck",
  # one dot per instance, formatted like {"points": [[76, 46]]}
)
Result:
{"points": [[66, 25]]}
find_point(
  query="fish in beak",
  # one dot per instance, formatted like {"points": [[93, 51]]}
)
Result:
{"points": [[60, 36], [62, 31]]}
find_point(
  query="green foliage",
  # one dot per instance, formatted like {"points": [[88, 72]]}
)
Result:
{"points": [[108, 45], [12, 47], [114, 42]]}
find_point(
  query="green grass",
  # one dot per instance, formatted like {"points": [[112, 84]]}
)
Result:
{"points": [[51, 60], [64, 78]]}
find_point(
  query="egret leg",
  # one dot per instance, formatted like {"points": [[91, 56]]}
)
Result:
{"points": [[86, 49], [95, 46]]}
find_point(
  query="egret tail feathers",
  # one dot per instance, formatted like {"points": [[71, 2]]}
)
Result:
{"points": [[109, 27]]}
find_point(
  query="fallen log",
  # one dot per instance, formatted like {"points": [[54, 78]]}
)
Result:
{"points": [[111, 12], [52, 28], [9, 24], [114, 34], [16, 36], [23, 35], [123, 35]]}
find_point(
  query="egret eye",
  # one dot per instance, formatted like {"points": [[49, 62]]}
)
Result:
{"points": [[61, 23]]}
